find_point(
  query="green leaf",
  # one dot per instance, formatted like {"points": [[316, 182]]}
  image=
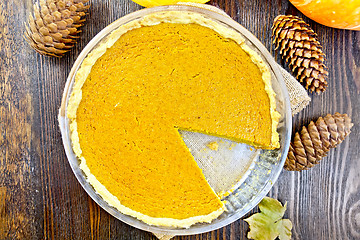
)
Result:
{"points": [[262, 227], [268, 224], [284, 227], [272, 208]]}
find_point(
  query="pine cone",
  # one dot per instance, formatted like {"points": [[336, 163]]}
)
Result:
{"points": [[313, 142], [54, 26], [299, 46]]}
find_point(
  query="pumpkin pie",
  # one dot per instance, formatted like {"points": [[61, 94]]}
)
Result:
{"points": [[149, 78]]}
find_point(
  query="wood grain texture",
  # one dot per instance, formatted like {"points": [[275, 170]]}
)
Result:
{"points": [[40, 197]]}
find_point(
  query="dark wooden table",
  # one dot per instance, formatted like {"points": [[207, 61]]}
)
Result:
{"points": [[40, 197]]}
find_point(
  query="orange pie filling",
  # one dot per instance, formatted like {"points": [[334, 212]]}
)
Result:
{"points": [[131, 97]]}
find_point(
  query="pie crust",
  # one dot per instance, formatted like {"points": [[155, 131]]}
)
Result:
{"points": [[178, 17]]}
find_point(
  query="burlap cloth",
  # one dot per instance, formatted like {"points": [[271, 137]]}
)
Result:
{"points": [[299, 98]]}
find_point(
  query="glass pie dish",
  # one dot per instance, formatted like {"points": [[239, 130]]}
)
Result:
{"points": [[244, 176]]}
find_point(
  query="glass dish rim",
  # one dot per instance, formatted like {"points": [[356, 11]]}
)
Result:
{"points": [[63, 121]]}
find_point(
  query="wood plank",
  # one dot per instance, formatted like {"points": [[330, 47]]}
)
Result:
{"points": [[16, 121]]}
